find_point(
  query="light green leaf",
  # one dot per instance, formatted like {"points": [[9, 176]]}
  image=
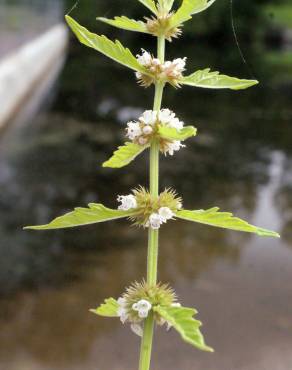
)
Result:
{"points": [[114, 50], [170, 133], [150, 4], [213, 80], [223, 219], [83, 216], [126, 24], [166, 4], [124, 155], [187, 9], [181, 318], [107, 309]]}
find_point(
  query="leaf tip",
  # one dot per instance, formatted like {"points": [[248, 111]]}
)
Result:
{"points": [[30, 228], [68, 19]]}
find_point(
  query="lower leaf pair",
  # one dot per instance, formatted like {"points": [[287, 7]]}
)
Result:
{"points": [[141, 300]]}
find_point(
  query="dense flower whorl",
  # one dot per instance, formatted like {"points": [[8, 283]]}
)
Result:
{"points": [[144, 130], [149, 211], [169, 71], [162, 25], [139, 299]]}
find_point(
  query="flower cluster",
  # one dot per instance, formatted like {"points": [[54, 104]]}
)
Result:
{"points": [[143, 131], [161, 25], [149, 211], [169, 71], [139, 299], [156, 219]]}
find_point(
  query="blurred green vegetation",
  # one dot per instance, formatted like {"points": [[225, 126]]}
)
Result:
{"points": [[280, 14], [250, 16]]}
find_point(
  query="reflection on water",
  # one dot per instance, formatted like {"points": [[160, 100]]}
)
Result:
{"points": [[238, 282], [241, 161]]}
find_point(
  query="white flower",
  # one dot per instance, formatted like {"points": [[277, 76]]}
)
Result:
{"points": [[174, 146], [149, 117], [128, 202], [165, 213], [155, 221], [133, 130], [145, 59], [165, 116], [143, 307], [166, 65], [137, 329], [121, 302], [175, 123], [179, 64], [122, 312]]}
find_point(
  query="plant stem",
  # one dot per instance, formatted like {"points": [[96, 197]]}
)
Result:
{"points": [[152, 258]]}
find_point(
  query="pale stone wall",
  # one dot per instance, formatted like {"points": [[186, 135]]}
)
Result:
{"points": [[23, 70]]}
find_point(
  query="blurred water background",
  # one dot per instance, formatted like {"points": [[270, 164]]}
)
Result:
{"points": [[241, 161]]}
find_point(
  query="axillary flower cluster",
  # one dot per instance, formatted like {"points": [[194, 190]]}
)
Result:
{"points": [[139, 301], [146, 129], [150, 211], [169, 71], [148, 303]]}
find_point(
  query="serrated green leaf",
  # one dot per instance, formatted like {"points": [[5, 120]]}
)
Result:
{"points": [[150, 4], [126, 24], [83, 216], [225, 220], [213, 80], [113, 50], [170, 133], [124, 155], [181, 318], [107, 309], [187, 9]]}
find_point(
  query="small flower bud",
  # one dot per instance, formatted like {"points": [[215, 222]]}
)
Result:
{"points": [[142, 141], [147, 130]]}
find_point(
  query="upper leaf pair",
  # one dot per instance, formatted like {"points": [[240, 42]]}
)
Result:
{"points": [[161, 10], [116, 51]]}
